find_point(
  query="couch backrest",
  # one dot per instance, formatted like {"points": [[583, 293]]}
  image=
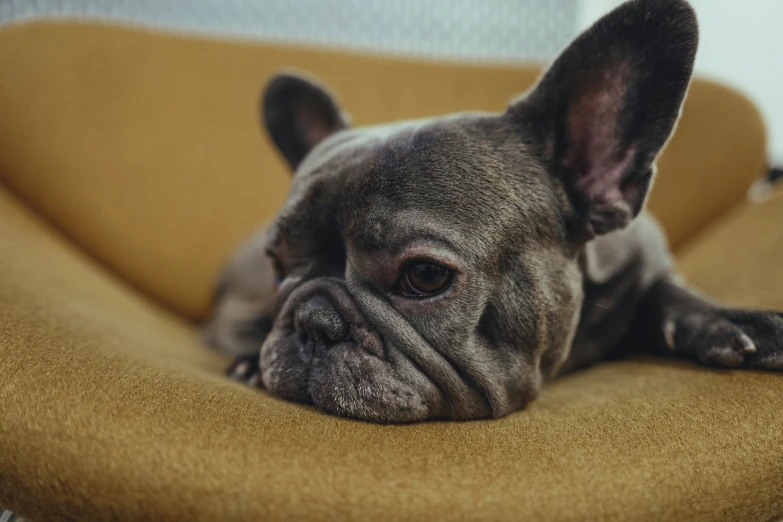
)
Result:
{"points": [[144, 147]]}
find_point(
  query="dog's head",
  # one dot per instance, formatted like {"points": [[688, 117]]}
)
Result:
{"points": [[429, 269]]}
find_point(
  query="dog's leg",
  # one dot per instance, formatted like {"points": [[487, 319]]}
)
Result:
{"points": [[682, 321]]}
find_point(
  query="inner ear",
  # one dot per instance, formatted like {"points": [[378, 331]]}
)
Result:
{"points": [[598, 149], [298, 114], [591, 144], [313, 124]]}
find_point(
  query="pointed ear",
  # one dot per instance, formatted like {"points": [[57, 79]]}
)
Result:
{"points": [[298, 113], [603, 111]]}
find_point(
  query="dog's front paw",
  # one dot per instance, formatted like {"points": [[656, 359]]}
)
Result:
{"points": [[729, 338], [245, 369]]}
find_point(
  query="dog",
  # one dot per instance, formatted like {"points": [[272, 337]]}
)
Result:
{"points": [[447, 268]]}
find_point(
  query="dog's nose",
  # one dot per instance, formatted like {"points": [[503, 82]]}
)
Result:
{"points": [[318, 320]]}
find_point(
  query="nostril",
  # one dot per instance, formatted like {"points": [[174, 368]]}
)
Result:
{"points": [[319, 321]]}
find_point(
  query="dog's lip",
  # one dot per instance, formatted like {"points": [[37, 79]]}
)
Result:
{"points": [[305, 349], [369, 341], [361, 339]]}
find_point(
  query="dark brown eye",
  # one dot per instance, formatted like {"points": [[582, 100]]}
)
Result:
{"points": [[277, 266], [423, 279]]}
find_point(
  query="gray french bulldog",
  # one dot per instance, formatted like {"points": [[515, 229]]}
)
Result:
{"points": [[447, 268]]}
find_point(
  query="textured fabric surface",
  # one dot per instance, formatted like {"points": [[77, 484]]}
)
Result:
{"points": [[144, 148], [747, 239], [111, 410]]}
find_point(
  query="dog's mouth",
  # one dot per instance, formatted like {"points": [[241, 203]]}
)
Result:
{"points": [[347, 351], [320, 344]]}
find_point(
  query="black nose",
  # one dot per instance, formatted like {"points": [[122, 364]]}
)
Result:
{"points": [[318, 320]]}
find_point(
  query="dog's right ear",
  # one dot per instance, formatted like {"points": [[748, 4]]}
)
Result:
{"points": [[298, 113], [604, 110]]}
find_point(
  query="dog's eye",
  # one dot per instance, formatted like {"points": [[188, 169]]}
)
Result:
{"points": [[277, 266], [424, 279]]}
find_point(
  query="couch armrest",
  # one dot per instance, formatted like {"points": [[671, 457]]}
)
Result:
{"points": [[739, 259], [717, 151]]}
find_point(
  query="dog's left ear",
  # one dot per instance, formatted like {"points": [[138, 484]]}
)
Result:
{"points": [[299, 113], [602, 112]]}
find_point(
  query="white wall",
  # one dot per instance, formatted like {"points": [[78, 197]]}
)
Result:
{"points": [[741, 44], [452, 29]]}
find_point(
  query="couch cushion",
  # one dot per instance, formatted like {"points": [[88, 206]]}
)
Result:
{"points": [[144, 147], [110, 409]]}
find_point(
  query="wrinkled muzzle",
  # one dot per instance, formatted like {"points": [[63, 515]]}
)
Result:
{"points": [[345, 349]]}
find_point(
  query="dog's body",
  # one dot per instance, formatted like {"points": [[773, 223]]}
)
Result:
{"points": [[447, 268]]}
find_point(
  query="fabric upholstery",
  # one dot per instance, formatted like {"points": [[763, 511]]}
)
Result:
{"points": [[110, 409], [145, 148], [130, 165], [739, 259]]}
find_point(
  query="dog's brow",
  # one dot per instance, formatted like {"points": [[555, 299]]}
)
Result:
{"points": [[397, 236], [396, 246], [429, 236]]}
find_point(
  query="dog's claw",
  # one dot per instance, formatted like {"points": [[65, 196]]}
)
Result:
{"points": [[245, 369], [669, 328], [240, 370], [744, 344]]}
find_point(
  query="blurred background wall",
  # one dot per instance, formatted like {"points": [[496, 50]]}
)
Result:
{"points": [[456, 29], [740, 42]]}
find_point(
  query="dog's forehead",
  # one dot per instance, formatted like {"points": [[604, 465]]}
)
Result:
{"points": [[445, 178]]}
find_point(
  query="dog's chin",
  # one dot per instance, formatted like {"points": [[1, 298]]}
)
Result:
{"points": [[345, 380]]}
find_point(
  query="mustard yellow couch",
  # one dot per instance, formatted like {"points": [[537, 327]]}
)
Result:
{"points": [[131, 163]]}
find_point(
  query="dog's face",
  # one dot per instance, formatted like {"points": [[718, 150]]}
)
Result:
{"points": [[396, 304], [429, 269]]}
